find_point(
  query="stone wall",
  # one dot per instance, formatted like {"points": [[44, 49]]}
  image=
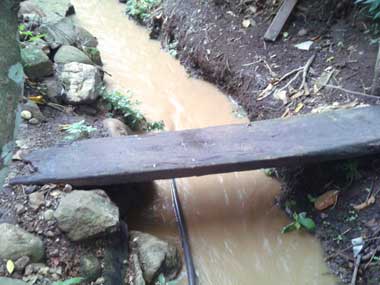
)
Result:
{"points": [[11, 80]]}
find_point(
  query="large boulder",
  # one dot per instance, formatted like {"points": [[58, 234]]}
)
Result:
{"points": [[11, 281], [81, 82], [65, 32], [16, 242], [155, 256], [115, 127], [68, 54], [50, 11], [36, 63], [86, 214]]}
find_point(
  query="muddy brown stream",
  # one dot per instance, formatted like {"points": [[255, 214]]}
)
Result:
{"points": [[233, 224]]}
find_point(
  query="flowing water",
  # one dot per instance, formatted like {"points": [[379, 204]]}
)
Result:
{"points": [[233, 224]]}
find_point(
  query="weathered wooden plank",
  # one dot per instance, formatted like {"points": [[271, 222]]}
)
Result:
{"points": [[279, 20], [271, 143]]}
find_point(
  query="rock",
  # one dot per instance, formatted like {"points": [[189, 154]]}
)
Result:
{"points": [[35, 110], [81, 82], [36, 200], [20, 209], [65, 32], [68, 54], [54, 11], [21, 263], [302, 32], [53, 89], [11, 281], [85, 214], [90, 267], [49, 215], [99, 281], [38, 43], [86, 110], [34, 121], [94, 54], [138, 278], [26, 115], [155, 256], [36, 63], [28, 7], [115, 127], [16, 242], [39, 268]]}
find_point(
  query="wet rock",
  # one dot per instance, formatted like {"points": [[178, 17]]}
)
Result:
{"points": [[115, 127], [85, 214], [65, 32], [34, 110], [36, 200], [26, 115], [54, 11], [90, 267], [11, 281], [16, 242], [155, 256], [94, 54], [21, 263], [68, 54], [81, 82], [138, 278], [36, 63]]}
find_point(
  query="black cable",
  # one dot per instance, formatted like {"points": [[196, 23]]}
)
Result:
{"points": [[191, 276]]}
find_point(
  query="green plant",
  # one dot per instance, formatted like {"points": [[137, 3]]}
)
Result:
{"points": [[161, 280], [71, 281], [141, 9], [127, 107], [373, 7], [29, 35], [299, 221], [77, 130], [172, 48], [352, 216]]}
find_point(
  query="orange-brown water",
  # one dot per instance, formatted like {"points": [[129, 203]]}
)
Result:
{"points": [[233, 225]]}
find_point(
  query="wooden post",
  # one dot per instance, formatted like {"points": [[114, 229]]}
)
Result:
{"points": [[11, 80]]}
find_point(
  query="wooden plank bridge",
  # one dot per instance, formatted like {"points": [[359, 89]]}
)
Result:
{"points": [[271, 143]]}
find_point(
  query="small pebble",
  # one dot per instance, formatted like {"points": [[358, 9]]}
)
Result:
{"points": [[302, 32], [21, 263], [26, 115], [33, 121]]}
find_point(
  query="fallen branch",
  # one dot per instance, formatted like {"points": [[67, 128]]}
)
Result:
{"points": [[353, 92], [306, 70]]}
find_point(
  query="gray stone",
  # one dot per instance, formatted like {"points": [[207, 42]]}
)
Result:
{"points": [[68, 54], [115, 127], [16, 242], [36, 63], [138, 278], [155, 256], [85, 214], [34, 109], [65, 32], [53, 89], [36, 200], [38, 43], [54, 11], [81, 82], [21, 263], [29, 7], [90, 267], [34, 121], [11, 281]]}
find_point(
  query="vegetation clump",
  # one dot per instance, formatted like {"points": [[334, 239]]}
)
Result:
{"points": [[141, 9], [29, 36], [373, 7], [77, 130], [299, 221], [125, 105]]}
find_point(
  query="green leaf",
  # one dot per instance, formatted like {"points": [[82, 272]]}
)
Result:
{"points": [[306, 222], [10, 266], [71, 281]]}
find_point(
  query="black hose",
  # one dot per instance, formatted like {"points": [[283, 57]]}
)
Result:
{"points": [[191, 276]]}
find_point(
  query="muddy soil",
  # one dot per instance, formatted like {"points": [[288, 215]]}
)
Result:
{"points": [[213, 43]]}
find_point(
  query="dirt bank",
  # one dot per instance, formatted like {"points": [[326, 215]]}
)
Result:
{"points": [[224, 45]]}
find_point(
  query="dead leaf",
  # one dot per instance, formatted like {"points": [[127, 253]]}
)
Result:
{"points": [[281, 95], [10, 266], [299, 107], [304, 45], [371, 200], [37, 99], [326, 200]]}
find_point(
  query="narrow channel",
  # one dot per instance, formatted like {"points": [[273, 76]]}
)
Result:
{"points": [[234, 227]]}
